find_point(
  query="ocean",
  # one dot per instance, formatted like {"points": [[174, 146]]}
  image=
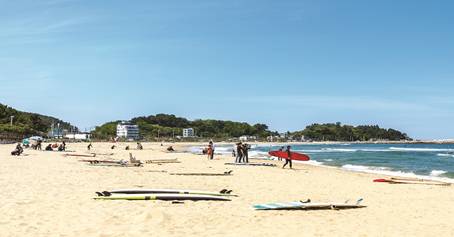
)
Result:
{"points": [[434, 161]]}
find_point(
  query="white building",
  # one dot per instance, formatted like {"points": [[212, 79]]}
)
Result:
{"points": [[188, 132], [246, 138], [78, 136], [128, 131]]}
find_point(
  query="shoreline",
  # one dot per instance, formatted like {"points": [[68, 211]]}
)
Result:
{"points": [[387, 172]]}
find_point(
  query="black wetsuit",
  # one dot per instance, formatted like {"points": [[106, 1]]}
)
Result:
{"points": [[246, 153], [288, 161], [239, 154]]}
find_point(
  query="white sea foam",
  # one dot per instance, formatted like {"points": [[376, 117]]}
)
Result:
{"points": [[313, 162], [258, 154], [387, 171], [420, 149], [437, 172], [445, 155], [339, 150], [328, 160]]}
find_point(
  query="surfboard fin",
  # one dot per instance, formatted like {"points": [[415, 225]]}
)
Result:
{"points": [[307, 201], [359, 201], [106, 194]]}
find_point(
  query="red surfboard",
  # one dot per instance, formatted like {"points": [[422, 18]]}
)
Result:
{"points": [[293, 155]]}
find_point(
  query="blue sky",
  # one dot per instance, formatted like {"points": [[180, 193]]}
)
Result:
{"points": [[284, 63]]}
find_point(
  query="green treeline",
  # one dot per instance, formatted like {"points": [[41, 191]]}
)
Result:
{"points": [[338, 132], [25, 124], [167, 126], [164, 125]]}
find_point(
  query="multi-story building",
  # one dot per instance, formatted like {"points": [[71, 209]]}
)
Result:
{"points": [[188, 132], [128, 131]]}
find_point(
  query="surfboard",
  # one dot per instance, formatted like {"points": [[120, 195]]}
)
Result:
{"points": [[80, 155], [223, 192], [307, 205], [116, 164], [227, 173], [293, 155], [411, 181], [163, 197]]}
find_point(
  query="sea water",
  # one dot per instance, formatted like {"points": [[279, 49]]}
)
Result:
{"points": [[411, 160]]}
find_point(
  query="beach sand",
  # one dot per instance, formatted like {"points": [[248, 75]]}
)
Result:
{"points": [[46, 194]]}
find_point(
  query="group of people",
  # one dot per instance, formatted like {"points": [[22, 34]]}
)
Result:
{"points": [[19, 149], [51, 147], [139, 146], [242, 152]]}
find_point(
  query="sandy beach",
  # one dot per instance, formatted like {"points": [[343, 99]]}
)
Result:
{"points": [[47, 194]]}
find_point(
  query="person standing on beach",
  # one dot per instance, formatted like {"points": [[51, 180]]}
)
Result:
{"points": [[288, 160], [246, 153], [89, 146], [212, 150], [280, 149], [239, 152]]}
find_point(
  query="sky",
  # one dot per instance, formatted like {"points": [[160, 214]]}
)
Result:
{"points": [[287, 64]]}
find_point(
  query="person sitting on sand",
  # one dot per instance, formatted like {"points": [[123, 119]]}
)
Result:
{"points": [[49, 148], [112, 147], [170, 148], [89, 146], [18, 150], [288, 161], [60, 148], [127, 148], [139, 146]]}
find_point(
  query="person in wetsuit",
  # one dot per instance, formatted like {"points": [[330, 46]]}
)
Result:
{"points": [[246, 148], [18, 150], [239, 153], [288, 161], [49, 148]]}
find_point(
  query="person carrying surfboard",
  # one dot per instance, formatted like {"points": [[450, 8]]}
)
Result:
{"points": [[288, 160]]}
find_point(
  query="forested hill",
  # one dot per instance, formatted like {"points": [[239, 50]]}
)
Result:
{"points": [[164, 125], [25, 123], [339, 132]]}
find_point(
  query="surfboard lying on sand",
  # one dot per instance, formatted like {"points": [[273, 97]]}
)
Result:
{"points": [[293, 155], [223, 192], [162, 161], [164, 197], [411, 181], [80, 155], [307, 205], [100, 161], [227, 173], [116, 164], [251, 164]]}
